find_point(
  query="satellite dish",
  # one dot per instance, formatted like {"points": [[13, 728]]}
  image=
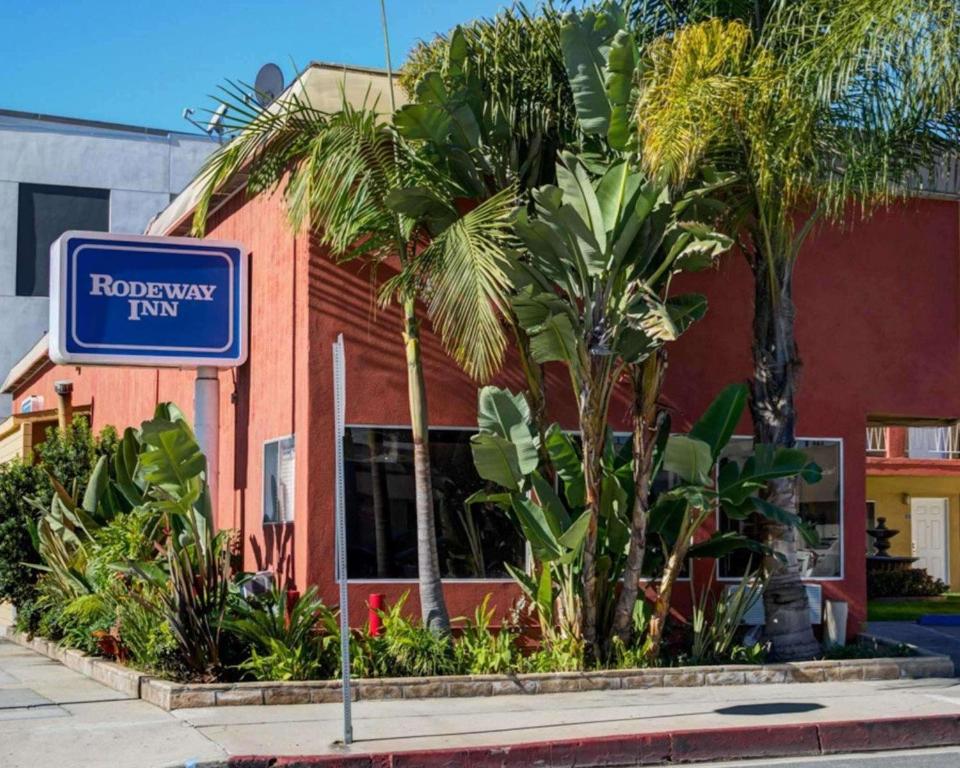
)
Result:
{"points": [[268, 85]]}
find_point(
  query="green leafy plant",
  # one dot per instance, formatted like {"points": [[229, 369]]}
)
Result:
{"points": [[145, 634], [193, 577], [557, 654], [717, 622], [481, 650], [18, 484], [295, 641], [83, 618], [410, 648], [26, 492], [708, 482]]}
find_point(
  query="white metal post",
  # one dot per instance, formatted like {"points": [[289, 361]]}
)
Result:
{"points": [[339, 410], [206, 408]]}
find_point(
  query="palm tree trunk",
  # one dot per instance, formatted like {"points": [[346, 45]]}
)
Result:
{"points": [[776, 368], [646, 381], [432, 605], [380, 532]]}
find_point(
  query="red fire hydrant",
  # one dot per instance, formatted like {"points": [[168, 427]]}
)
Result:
{"points": [[375, 605]]}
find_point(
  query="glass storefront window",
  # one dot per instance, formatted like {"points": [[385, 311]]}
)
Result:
{"points": [[820, 505], [473, 542]]}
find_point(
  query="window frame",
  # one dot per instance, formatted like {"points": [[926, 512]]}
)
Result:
{"points": [[263, 480], [841, 522]]}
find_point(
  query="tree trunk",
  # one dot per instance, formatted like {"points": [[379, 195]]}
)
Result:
{"points": [[380, 530], [646, 381], [432, 605], [592, 425], [776, 367], [661, 611]]}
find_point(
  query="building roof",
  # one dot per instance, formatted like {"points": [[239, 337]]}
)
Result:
{"points": [[29, 365], [98, 124], [322, 85]]}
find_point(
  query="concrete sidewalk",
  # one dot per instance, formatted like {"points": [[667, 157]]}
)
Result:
{"points": [[52, 716]]}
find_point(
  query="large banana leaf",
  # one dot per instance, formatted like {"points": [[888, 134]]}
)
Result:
{"points": [[690, 458], [584, 39], [172, 460], [618, 84], [502, 413], [715, 427], [498, 460], [566, 461]]}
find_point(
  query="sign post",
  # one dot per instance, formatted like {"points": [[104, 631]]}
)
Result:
{"points": [[171, 302], [340, 521]]}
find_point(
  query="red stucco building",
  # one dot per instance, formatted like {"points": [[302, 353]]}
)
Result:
{"points": [[878, 329]]}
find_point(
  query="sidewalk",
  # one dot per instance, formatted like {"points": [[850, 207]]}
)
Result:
{"points": [[50, 715]]}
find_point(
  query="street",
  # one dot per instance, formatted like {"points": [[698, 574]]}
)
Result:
{"points": [[928, 758]]}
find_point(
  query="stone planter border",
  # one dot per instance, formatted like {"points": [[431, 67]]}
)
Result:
{"points": [[169, 695]]}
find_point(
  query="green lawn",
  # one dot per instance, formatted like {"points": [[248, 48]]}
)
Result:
{"points": [[911, 610]]}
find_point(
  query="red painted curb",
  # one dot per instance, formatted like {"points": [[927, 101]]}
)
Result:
{"points": [[688, 746], [908, 733]]}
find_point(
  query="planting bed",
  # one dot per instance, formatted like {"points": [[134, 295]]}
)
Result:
{"points": [[171, 695]]}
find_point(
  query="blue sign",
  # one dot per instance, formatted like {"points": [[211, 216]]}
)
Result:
{"points": [[158, 301]]}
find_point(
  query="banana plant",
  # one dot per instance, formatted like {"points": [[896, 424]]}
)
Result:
{"points": [[593, 284], [552, 518], [708, 481], [193, 577]]}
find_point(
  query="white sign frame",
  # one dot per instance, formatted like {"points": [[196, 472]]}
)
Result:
{"points": [[58, 304]]}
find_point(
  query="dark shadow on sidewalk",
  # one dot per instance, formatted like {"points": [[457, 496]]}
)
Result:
{"points": [[770, 708]]}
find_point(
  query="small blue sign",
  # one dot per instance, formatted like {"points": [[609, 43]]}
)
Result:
{"points": [[158, 301]]}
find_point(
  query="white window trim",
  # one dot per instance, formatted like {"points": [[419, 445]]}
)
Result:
{"points": [[843, 537], [263, 481]]}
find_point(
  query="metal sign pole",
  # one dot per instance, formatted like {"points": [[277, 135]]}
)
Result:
{"points": [[206, 408], [339, 408]]}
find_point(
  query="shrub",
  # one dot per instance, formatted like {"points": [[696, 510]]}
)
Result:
{"points": [[287, 642], [410, 648], [82, 617], [25, 490], [912, 582], [18, 483], [146, 636], [480, 650]]}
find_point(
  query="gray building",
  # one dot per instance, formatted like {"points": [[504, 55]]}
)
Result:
{"points": [[58, 174]]}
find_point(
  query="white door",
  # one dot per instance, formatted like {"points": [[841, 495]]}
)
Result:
{"points": [[928, 525]]}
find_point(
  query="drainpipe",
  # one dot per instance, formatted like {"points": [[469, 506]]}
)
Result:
{"points": [[64, 390]]}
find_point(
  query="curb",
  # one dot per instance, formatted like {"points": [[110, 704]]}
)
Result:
{"points": [[778, 741]]}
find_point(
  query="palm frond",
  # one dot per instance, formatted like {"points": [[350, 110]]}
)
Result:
{"points": [[462, 275]]}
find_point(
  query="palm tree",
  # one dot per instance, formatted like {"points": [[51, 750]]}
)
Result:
{"points": [[812, 104], [368, 194]]}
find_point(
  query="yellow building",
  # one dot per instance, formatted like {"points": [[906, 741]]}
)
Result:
{"points": [[913, 482]]}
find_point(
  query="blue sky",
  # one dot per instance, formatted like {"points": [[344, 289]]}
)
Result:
{"points": [[143, 61]]}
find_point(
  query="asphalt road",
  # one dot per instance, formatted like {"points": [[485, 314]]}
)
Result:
{"points": [[928, 758]]}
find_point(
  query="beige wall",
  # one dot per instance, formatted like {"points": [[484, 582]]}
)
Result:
{"points": [[11, 447], [888, 495]]}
